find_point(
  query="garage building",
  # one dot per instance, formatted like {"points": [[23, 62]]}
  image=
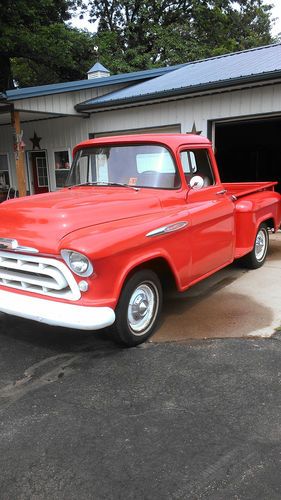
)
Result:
{"points": [[233, 99]]}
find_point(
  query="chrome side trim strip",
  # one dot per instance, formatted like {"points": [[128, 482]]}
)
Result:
{"points": [[170, 228]]}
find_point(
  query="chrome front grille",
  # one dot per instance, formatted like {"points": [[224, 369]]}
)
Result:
{"points": [[37, 274]]}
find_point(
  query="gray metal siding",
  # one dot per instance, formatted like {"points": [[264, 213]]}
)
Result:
{"points": [[62, 103]]}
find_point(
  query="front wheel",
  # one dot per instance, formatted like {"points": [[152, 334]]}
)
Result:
{"points": [[138, 309], [257, 256]]}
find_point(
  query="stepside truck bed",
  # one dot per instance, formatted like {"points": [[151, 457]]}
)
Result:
{"points": [[239, 189]]}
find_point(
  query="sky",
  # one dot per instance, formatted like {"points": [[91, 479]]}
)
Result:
{"points": [[276, 13]]}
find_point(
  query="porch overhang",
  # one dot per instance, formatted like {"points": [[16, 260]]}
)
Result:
{"points": [[14, 118]]}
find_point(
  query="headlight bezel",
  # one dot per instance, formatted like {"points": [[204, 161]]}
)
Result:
{"points": [[66, 255]]}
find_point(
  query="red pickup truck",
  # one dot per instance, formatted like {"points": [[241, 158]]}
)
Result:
{"points": [[137, 212]]}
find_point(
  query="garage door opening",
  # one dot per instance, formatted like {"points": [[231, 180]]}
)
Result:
{"points": [[249, 150]]}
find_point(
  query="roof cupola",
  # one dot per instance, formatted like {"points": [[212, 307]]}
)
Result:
{"points": [[98, 71]]}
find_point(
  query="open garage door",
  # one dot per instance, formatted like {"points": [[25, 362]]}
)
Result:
{"points": [[249, 150], [166, 129]]}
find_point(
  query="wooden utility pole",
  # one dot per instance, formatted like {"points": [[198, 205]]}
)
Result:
{"points": [[19, 152]]}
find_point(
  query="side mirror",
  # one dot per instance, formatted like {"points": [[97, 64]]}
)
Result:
{"points": [[196, 182]]}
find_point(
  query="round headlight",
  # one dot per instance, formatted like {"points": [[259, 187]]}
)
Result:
{"points": [[77, 262]]}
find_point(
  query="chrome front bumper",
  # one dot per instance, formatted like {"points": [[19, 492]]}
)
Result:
{"points": [[56, 313]]}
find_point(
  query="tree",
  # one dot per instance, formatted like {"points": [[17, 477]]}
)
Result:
{"points": [[37, 47], [135, 34]]}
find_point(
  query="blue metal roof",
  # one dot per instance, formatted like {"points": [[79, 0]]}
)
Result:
{"points": [[59, 88], [98, 67], [216, 72]]}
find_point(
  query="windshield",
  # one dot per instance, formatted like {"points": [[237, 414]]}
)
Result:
{"points": [[136, 166]]}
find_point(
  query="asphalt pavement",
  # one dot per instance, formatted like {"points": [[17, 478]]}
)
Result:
{"points": [[81, 418]]}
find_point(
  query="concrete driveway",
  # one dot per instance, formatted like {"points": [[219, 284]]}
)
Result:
{"points": [[232, 303]]}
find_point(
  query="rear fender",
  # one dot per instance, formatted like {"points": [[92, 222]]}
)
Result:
{"points": [[250, 213]]}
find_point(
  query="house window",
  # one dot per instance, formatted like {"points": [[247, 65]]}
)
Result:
{"points": [[4, 170], [62, 166], [42, 172]]}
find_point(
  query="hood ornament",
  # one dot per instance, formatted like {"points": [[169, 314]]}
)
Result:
{"points": [[11, 244], [8, 244]]}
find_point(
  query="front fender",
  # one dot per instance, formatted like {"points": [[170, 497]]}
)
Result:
{"points": [[116, 248]]}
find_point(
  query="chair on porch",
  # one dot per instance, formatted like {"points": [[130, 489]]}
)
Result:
{"points": [[12, 193]]}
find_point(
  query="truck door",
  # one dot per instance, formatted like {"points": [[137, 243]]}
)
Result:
{"points": [[211, 215]]}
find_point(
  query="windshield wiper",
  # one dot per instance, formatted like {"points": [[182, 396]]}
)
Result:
{"points": [[104, 183], [122, 184]]}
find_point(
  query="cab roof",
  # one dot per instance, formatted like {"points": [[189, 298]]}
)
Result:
{"points": [[171, 140]]}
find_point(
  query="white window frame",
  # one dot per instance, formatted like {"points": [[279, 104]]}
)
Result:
{"points": [[37, 161], [9, 167], [58, 150], [30, 179]]}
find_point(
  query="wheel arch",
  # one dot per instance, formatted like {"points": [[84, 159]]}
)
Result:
{"points": [[269, 221], [162, 268], [257, 256]]}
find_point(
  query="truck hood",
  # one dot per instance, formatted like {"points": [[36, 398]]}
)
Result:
{"points": [[41, 221]]}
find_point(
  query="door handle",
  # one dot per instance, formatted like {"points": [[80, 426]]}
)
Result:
{"points": [[223, 191]]}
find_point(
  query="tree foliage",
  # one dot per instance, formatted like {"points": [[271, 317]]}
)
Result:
{"points": [[37, 47], [135, 34]]}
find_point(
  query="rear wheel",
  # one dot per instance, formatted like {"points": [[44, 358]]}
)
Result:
{"points": [[138, 309], [257, 256]]}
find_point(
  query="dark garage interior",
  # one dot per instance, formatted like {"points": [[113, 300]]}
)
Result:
{"points": [[249, 150]]}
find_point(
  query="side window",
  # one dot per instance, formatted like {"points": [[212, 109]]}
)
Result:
{"points": [[188, 161], [197, 162]]}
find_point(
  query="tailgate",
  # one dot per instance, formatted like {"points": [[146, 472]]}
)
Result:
{"points": [[239, 189]]}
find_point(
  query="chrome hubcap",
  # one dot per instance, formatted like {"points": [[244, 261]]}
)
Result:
{"points": [[143, 307], [260, 245]]}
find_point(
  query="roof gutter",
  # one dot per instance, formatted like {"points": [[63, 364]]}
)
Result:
{"points": [[272, 75]]}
